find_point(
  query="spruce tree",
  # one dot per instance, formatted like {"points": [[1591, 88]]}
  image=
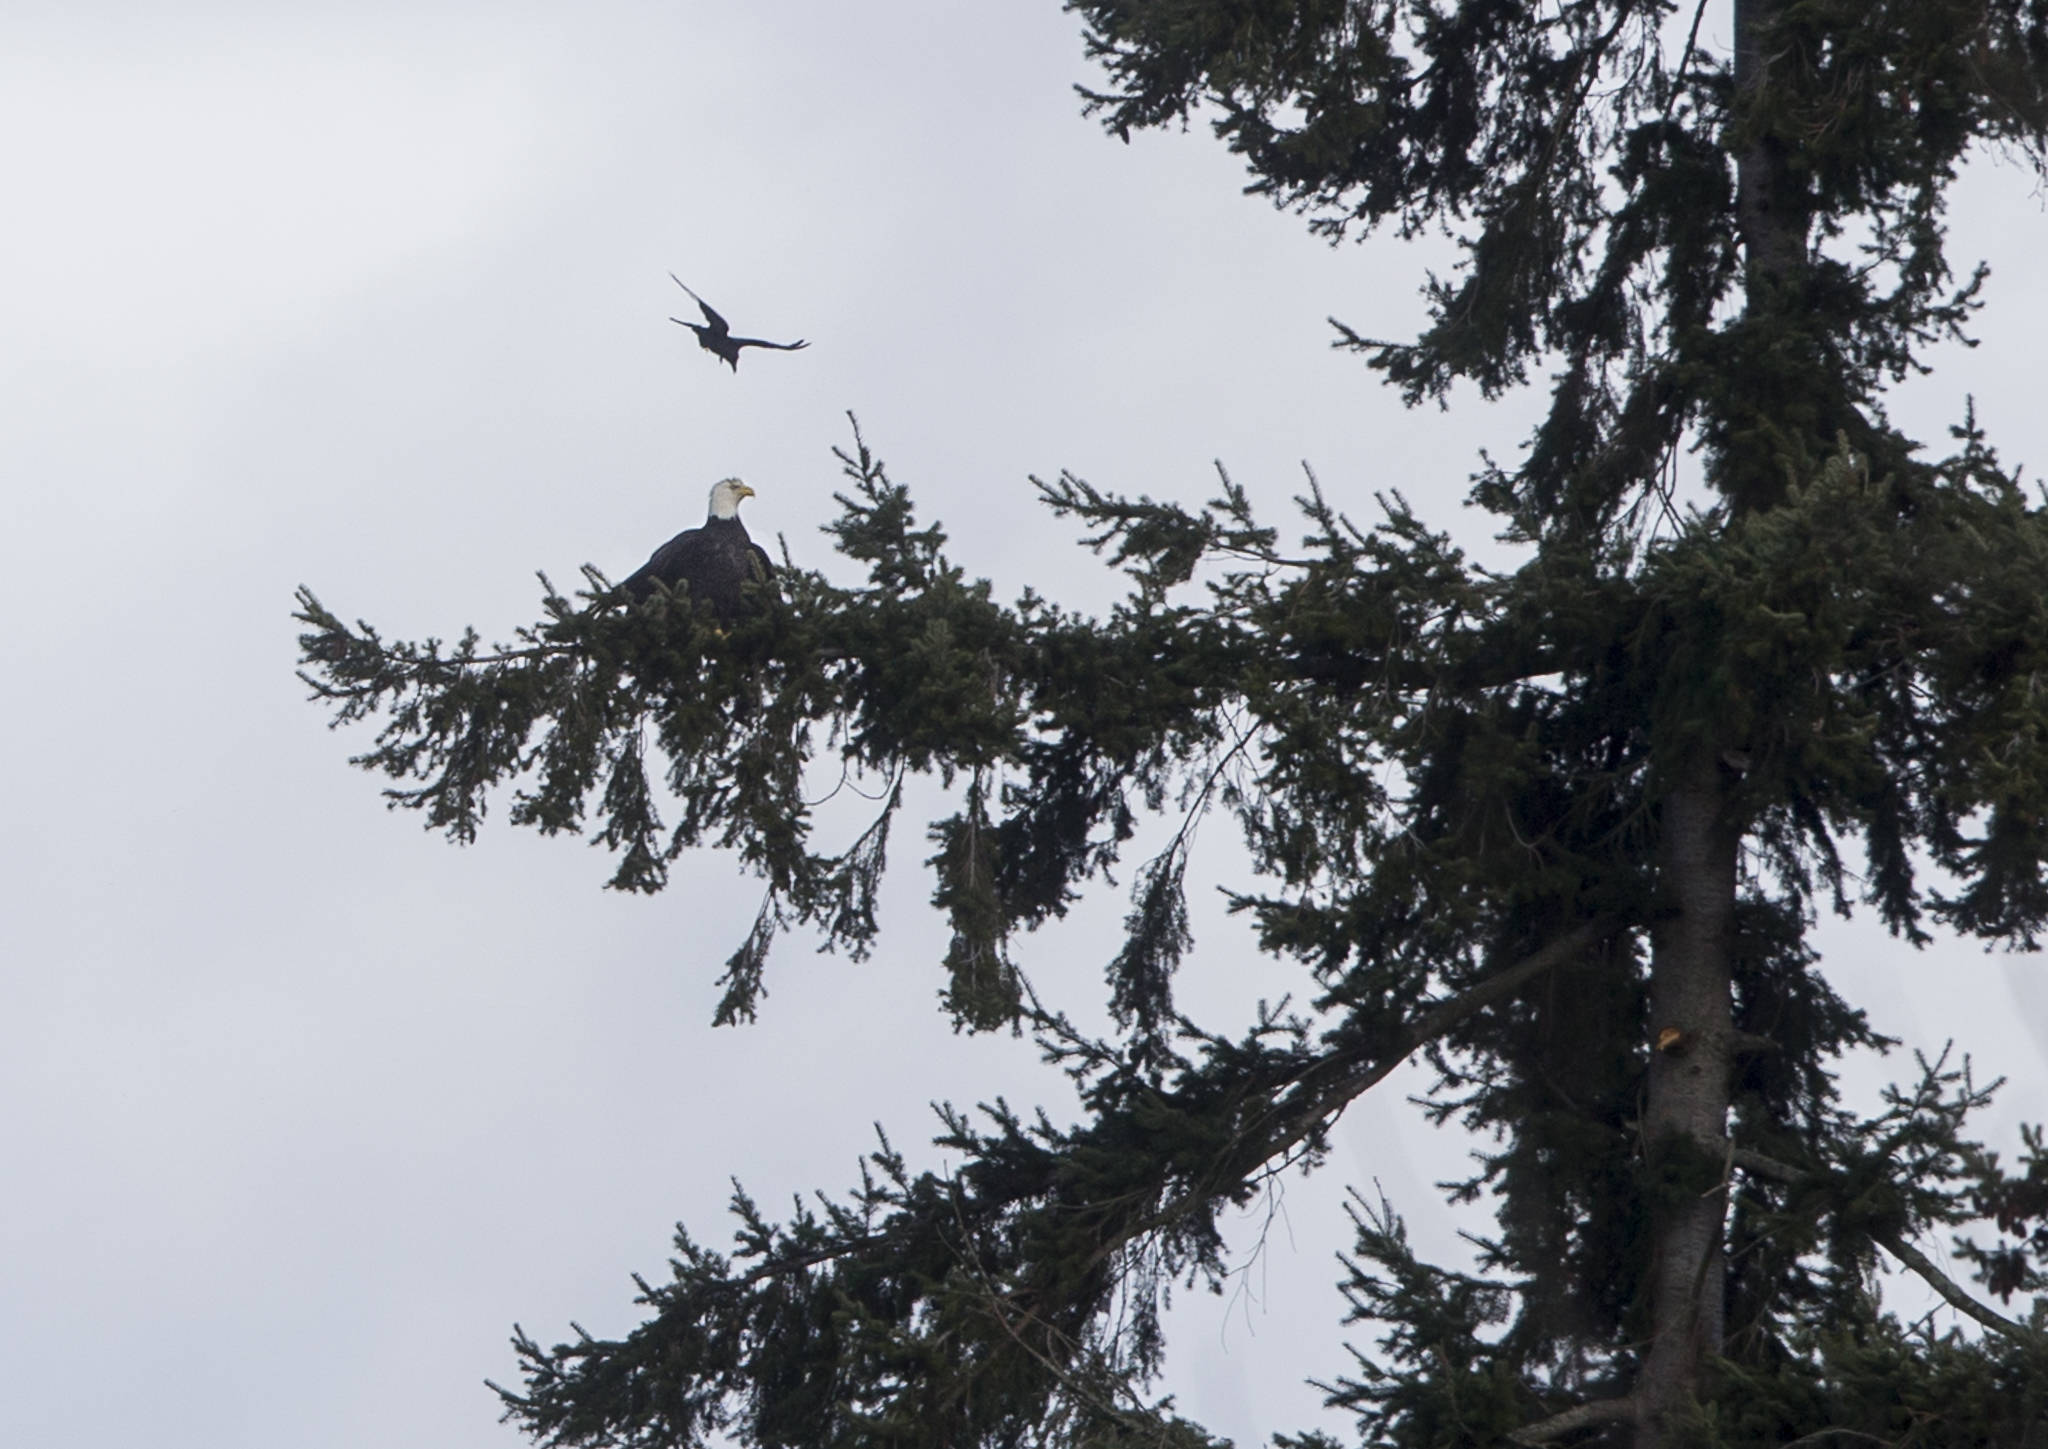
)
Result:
{"points": [[1563, 830]]}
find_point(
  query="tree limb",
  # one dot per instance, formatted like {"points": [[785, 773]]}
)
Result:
{"points": [[1958, 1298], [1445, 1015], [1602, 1411], [1894, 1242], [1750, 1160], [1330, 1083]]}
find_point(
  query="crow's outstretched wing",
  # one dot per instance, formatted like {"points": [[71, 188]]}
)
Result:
{"points": [[718, 324], [778, 346]]}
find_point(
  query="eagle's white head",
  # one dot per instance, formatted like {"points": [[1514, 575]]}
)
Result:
{"points": [[726, 496]]}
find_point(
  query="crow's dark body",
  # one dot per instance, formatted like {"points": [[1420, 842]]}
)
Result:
{"points": [[715, 561], [714, 334]]}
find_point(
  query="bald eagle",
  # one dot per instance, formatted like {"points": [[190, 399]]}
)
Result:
{"points": [[717, 338], [714, 561]]}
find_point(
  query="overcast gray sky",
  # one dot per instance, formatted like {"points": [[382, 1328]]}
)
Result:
{"points": [[303, 1106]]}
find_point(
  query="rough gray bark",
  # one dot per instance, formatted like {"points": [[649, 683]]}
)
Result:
{"points": [[1685, 1117], [1770, 206]]}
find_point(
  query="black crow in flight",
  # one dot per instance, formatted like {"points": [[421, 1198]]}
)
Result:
{"points": [[717, 338]]}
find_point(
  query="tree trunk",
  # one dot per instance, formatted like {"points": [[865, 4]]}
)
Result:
{"points": [[1770, 197], [1685, 1117]]}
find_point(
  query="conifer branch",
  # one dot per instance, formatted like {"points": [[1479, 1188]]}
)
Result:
{"points": [[1957, 1297], [800, 1261], [1894, 1242], [1445, 1015], [1692, 37], [1601, 1411], [1332, 1082], [1361, 1069], [998, 1306], [1765, 1166]]}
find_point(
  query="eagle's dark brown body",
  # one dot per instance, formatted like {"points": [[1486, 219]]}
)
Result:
{"points": [[714, 562]]}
